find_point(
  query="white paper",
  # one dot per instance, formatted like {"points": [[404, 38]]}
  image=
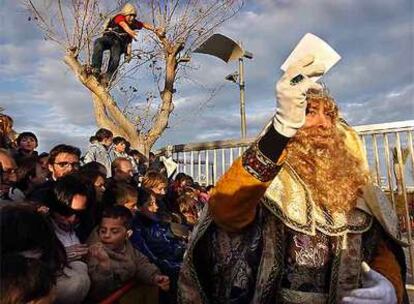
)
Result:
{"points": [[312, 44]]}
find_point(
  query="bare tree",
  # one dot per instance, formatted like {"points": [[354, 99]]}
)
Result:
{"points": [[140, 117]]}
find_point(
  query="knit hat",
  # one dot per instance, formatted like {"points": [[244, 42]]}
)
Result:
{"points": [[129, 9]]}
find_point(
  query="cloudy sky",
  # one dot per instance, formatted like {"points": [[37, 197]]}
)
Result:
{"points": [[373, 83]]}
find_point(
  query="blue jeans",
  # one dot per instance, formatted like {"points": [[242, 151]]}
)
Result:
{"points": [[114, 45]]}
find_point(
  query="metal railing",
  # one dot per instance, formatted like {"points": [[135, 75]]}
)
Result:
{"points": [[388, 147]]}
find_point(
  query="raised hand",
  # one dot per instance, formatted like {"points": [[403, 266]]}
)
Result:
{"points": [[291, 95], [98, 252], [76, 252], [162, 282]]}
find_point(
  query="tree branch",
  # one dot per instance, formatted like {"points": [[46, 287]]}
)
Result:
{"points": [[63, 22], [161, 118], [95, 87]]}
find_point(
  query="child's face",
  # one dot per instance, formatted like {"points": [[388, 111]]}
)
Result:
{"points": [[152, 206], [112, 232], [28, 143], [131, 203], [43, 163], [159, 190], [120, 147]]}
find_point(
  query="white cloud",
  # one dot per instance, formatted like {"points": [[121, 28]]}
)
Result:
{"points": [[382, 107]]}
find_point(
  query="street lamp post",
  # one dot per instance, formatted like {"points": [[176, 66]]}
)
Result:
{"points": [[238, 77], [242, 98], [226, 49]]}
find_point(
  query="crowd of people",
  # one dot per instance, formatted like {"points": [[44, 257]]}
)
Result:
{"points": [[113, 214]]}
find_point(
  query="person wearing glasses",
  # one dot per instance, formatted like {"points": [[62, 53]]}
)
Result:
{"points": [[63, 160], [68, 201]]}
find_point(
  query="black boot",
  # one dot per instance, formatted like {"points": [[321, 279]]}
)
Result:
{"points": [[104, 79]]}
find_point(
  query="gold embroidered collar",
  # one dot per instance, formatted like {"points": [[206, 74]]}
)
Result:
{"points": [[289, 199]]}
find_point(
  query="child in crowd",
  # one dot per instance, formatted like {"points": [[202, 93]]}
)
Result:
{"points": [[26, 145], [118, 148], [162, 241], [99, 151], [155, 183], [126, 195], [112, 259], [188, 211], [121, 193]]}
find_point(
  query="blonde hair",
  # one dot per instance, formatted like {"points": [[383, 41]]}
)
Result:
{"points": [[6, 124], [325, 162], [153, 179]]}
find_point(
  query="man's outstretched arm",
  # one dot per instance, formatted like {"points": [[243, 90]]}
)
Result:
{"points": [[127, 29], [159, 31], [234, 199]]}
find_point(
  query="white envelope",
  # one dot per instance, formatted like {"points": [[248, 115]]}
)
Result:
{"points": [[312, 44]]}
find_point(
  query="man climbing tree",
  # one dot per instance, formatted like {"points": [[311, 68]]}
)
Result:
{"points": [[119, 32]]}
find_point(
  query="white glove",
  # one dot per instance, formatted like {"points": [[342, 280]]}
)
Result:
{"points": [[376, 289], [291, 95]]}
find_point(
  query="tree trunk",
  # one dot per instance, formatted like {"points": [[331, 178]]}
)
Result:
{"points": [[108, 115], [162, 117]]}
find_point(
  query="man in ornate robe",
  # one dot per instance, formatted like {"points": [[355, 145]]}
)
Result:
{"points": [[296, 219]]}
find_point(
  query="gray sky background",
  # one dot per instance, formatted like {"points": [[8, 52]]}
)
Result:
{"points": [[373, 83]]}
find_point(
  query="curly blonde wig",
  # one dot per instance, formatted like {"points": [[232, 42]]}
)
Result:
{"points": [[331, 171]]}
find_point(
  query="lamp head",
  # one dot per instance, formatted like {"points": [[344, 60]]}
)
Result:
{"points": [[248, 55], [232, 77]]}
